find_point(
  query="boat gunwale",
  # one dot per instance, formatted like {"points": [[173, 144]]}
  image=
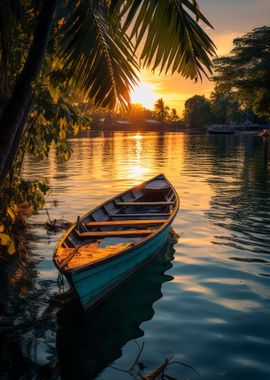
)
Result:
{"points": [[85, 267]]}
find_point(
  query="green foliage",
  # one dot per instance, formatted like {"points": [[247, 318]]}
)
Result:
{"points": [[197, 112], [11, 14], [225, 107], [173, 116], [17, 22], [161, 111], [7, 244], [101, 60], [222, 108], [18, 199], [17, 192], [246, 71], [169, 34], [52, 120]]}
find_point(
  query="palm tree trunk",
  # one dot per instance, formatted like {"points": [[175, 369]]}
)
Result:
{"points": [[15, 114], [4, 62]]}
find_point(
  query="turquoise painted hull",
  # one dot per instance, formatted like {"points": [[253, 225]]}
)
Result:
{"points": [[92, 284]]}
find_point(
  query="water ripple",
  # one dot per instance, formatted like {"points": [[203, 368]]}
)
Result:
{"points": [[215, 311]]}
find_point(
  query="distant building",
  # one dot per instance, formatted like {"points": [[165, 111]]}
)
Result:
{"points": [[153, 122]]}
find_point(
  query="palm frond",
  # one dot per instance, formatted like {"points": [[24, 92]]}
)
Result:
{"points": [[100, 58], [169, 35]]}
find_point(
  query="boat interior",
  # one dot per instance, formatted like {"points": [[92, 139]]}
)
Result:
{"points": [[118, 224]]}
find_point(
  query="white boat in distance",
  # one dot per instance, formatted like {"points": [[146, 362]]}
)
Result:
{"points": [[220, 129]]}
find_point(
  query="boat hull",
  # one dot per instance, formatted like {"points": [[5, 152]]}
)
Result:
{"points": [[93, 284]]}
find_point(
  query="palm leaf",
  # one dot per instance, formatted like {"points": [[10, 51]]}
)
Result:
{"points": [[98, 48], [168, 35], [100, 58]]}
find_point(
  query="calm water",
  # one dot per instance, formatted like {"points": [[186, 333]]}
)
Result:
{"points": [[205, 300]]}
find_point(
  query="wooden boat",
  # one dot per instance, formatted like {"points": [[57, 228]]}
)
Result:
{"points": [[110, 243]]}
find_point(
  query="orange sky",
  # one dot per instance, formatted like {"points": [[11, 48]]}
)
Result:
{"points": [[230, 18]]}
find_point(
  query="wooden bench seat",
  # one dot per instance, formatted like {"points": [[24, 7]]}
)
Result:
{"points": [[103, 234], [148, 222], [139, 215], [144, 203]]}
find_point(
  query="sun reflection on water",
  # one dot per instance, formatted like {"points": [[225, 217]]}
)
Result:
{"points": [[137, 137], [136, 172]]}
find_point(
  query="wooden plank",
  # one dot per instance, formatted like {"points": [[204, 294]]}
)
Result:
{"points": [[144, 203], [88, 255], [147, 222], [64, 255], [86, 235], [128, 215]]}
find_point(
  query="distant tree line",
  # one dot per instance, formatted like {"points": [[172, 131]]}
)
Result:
{"points": [[242, 85], [136, 113]]}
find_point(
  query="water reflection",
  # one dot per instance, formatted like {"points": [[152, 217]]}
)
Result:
{"points": [[27, 323], [216, 310], [88, 344], [241, 202], [122, 155], [238, 175]]}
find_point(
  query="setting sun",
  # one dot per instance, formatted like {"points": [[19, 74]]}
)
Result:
{"points": [[144, 94]]}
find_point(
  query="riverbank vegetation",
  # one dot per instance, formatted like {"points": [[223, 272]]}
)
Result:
{"points": [[242, 82], [137, 117], [245, 72]]}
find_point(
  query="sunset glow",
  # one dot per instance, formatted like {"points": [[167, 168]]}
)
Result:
{"points": [[174, 89], [144, 94]]}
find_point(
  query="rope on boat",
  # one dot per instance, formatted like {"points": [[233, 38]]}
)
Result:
{"points": [[60, 282]]}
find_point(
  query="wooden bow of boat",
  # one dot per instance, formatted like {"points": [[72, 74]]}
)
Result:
{"points": [[116, 238]]}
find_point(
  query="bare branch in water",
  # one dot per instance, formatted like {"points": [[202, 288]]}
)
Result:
{"points": [[157, 373], [137, 357]]}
